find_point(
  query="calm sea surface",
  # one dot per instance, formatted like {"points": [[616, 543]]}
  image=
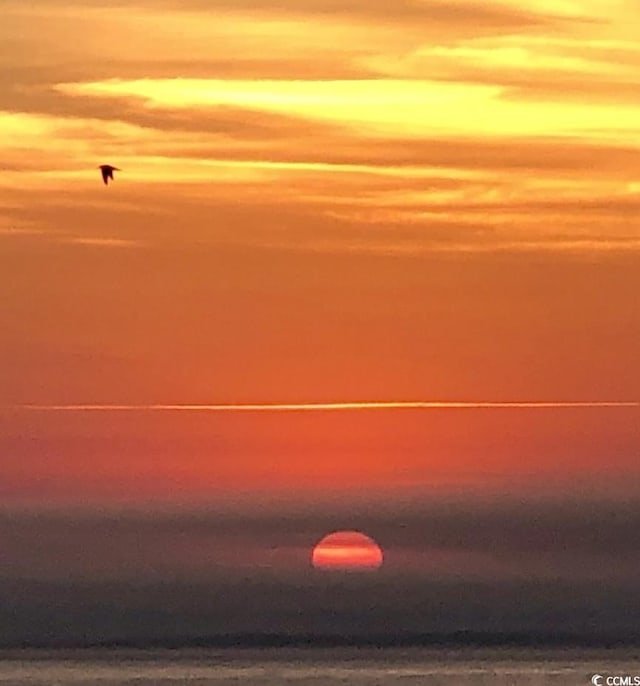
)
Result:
{"points": [[314, 667]]}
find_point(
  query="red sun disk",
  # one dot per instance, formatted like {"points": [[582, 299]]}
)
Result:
{"points": [[347, 550]]}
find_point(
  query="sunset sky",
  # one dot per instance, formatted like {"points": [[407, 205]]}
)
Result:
{"points": [[321, 201]]}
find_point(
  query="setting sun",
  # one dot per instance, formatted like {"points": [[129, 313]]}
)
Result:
{"points": [[347, 551]]}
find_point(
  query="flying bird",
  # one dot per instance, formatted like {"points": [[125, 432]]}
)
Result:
{"points": [[107, 172]]}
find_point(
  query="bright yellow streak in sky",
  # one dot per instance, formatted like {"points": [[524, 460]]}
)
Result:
{"points": [[319, 407], [384, 105]]}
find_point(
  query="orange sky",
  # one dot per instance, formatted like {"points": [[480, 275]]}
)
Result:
{"points": [[320, 201]]}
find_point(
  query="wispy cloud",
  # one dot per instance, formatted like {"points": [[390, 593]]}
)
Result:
{"points": [[104, 242], [336, 406], [383, 105]]}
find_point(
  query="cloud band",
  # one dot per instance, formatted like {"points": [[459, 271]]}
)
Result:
{"points": [[331, 406]]}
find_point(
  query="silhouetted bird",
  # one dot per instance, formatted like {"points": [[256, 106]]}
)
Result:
{"points": [[107, 172]]}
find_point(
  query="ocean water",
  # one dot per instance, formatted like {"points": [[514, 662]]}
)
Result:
{"points": [[315, 667]]}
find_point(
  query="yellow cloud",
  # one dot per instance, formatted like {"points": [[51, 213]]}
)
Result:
{"points": [[384, 106]]}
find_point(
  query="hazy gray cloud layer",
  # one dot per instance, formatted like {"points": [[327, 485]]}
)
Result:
{"points": [[570, 538], [563, 567], [178, 613]]}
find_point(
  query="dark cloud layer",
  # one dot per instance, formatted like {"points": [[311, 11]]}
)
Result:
{"points": [[90, 578], [512, 533], [55, 614]]}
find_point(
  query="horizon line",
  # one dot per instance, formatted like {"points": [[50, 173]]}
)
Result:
{"points": [[328, 406]]}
